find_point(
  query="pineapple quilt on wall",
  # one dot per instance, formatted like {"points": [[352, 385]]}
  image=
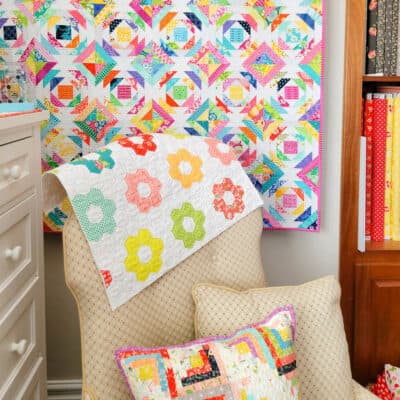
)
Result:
{"points": [[246, 72]]}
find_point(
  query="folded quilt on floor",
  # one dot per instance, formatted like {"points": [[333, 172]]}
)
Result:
{"points": [[147, 202]]}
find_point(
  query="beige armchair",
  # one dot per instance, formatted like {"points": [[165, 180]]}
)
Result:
{"points": [[163, 313]]}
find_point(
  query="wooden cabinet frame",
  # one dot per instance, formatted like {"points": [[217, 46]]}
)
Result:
{"points": [[370, 281]]}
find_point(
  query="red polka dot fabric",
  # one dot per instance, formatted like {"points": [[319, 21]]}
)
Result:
{"points": [[381, 389], [368, 129], [378, 171]]}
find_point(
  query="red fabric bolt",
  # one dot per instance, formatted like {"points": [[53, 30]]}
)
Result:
{"points": [[378, 172]]}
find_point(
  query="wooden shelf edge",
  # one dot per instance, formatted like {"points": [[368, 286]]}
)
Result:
{"points": [[387, 245], [378, 79]]}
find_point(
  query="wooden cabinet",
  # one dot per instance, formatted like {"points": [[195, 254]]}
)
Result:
{"points": [[377, 317], [22, 312], [371, 280]]}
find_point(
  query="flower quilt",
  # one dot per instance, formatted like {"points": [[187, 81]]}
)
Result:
{"points": [[147, 202], [247, 72]]}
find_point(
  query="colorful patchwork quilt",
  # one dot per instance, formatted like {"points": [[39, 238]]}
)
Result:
{"points": [[147, 202], [257, 362], [245, 72]]}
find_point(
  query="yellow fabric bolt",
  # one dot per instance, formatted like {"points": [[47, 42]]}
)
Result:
{"points": [[395, 192], [388, 166]]}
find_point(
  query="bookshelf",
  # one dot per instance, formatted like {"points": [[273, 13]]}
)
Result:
{"points": [[371, 280], [381, 79], [387, 245]]}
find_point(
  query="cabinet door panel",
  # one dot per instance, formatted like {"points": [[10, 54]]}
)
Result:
{"points": [[377, 319]]}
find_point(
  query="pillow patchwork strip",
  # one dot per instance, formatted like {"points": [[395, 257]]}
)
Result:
{"points": [[257, 362]]}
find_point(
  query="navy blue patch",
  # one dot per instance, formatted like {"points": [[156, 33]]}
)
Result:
{"points": [[63, 32], [10, 32]]}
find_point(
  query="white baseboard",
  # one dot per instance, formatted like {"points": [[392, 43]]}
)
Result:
{"points": [[70, 389]]}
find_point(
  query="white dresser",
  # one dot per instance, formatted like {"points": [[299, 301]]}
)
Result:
{"points": [[22, 306]]}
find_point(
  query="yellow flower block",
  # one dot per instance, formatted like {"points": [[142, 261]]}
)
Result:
{"points": [[143, 265], [185, 168]]}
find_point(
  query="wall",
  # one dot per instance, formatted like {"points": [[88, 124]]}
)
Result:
{"points": [[289, 257], [62, 327]]}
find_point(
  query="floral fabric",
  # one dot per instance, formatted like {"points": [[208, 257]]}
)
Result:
{"points": [[147, 202], [392, 377], [257, 362]]}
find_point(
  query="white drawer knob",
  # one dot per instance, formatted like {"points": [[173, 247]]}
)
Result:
{"points": [[19, 347], [13, 254], [16, 172], [13, 172]]}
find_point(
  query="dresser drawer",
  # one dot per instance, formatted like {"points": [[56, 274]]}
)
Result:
{"points": [[29, 384], [16, 169], [17, 252], [18, 335], [31, 388]]}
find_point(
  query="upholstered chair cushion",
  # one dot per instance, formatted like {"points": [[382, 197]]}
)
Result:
{"points": [[160, 315], [322, 353]]}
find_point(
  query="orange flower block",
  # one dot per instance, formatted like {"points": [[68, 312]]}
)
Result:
{"points": [[228, 198], [185, 168]]}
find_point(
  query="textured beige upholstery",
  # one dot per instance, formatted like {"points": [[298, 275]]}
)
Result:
{"points": [[323, 359], [361, 393], [161, 314]]}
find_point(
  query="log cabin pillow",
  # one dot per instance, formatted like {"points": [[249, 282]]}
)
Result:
{"points": [[322, 353], [257, 362]]}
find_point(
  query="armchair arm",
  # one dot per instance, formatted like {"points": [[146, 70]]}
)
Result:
{"points": [[361, 393]]}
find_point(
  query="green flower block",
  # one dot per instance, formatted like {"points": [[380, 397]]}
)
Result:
{"points": [[188, 237], [94, 230]]}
